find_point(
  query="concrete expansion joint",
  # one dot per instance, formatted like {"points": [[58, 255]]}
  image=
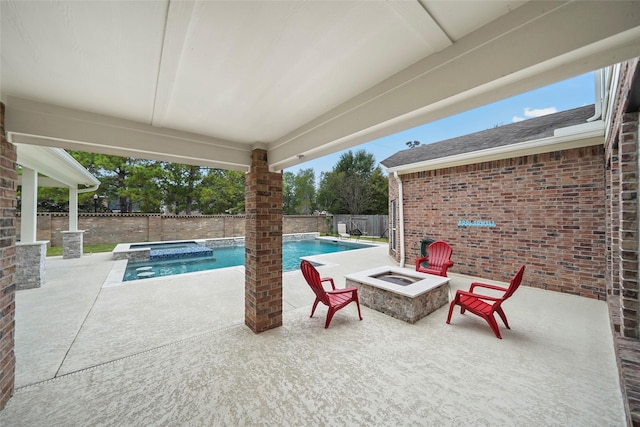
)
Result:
{"points": [[25, 388]]}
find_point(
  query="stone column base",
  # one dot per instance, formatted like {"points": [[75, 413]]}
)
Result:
{"points": [[72, 244], [30, 264]]}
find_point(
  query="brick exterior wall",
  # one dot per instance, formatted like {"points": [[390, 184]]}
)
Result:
{"points": [[263, 245], [8, 185], [548, 210], [621, 160], [621, 157], [129, 228]]}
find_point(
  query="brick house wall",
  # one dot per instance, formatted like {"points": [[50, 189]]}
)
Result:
{"points": [[548, 210], [621, 160], [128, 228], [8, 186], [622, 225]]}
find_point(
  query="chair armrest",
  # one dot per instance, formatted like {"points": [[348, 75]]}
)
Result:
{"points": [[328, 279], [485, 285], [420, 261], [479, 296], [344, 290]]}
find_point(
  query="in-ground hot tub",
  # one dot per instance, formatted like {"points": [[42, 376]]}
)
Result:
{"points": [[401, 293]]}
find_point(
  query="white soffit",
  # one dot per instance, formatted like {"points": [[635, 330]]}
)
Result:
{"points": [[204, 82], [56, 164]]}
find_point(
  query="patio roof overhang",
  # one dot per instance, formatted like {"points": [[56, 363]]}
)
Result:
{"points": [[58, 166], [207, 82]]}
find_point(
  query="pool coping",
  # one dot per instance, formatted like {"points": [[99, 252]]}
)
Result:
{"points": [[124, 251], [116, 274]]}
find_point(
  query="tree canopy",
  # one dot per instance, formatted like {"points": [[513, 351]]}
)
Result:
{"points": [[355, 185]]}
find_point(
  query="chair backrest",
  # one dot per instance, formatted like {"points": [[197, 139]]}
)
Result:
{"points": [[514, 284], [439, 253], [342, 228], [312, 277]]}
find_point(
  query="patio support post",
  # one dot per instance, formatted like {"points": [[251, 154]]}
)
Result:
{"points": [[29, 205], [8, 186], [30, 254], [72, 240], [263, 245], [73, 209]]}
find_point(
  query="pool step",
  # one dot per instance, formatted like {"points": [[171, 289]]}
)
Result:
{"points": [[145, 274]]}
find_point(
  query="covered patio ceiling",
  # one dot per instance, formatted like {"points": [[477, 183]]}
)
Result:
{"points": [[206, 82]]}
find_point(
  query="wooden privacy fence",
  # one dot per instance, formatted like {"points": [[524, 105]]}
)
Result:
{"points": [[367, 225]]}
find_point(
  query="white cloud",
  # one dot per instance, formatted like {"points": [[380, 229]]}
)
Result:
{"points": [[536, 112]]}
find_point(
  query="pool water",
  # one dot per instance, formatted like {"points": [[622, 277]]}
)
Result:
{"points": [[230, 256]]}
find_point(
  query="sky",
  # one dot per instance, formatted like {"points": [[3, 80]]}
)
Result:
{"points": [[561, 96]]}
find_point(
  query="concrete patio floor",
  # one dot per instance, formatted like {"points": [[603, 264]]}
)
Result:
{"points": [[175, 351]]}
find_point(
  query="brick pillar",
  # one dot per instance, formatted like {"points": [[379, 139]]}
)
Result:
{"points": [[628, 259], [263, 245], [8, 185]]}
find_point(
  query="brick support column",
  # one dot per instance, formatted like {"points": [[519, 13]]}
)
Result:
{"points": [[628, 258], [263, 246], [8, 185]]}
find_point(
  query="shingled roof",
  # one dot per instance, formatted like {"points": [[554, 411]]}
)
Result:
{"points": [[526, 130]]}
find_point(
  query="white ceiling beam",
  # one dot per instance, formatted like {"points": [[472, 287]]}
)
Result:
{"points": [[422, 23], [175, 33], [537, 44], [37, 123]]}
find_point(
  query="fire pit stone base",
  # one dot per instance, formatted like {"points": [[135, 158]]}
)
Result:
{"points": [[409, 302]]}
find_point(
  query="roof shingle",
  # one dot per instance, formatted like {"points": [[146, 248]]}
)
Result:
{"points": [[526, 130]]}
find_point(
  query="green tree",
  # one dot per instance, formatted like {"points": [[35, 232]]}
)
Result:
{"points": [[354, 186], [125, 179], [52, 199], [327, 197], [299, 192], [288, 193], [181, 185], [305, 191], [222, 191], [379, 188]]}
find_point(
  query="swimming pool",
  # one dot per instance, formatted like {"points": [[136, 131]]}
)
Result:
{"points": [[230, 256]]}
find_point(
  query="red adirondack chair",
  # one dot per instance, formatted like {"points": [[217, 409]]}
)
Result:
{"points": [[335, 299], [438, 259], [484, 306]]}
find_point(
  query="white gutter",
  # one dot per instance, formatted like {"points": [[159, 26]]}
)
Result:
{"points": [[598, 110], [89, 190], [400, 216]]}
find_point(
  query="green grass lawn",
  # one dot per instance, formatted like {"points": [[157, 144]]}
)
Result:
{"points": [[88, 249]]}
